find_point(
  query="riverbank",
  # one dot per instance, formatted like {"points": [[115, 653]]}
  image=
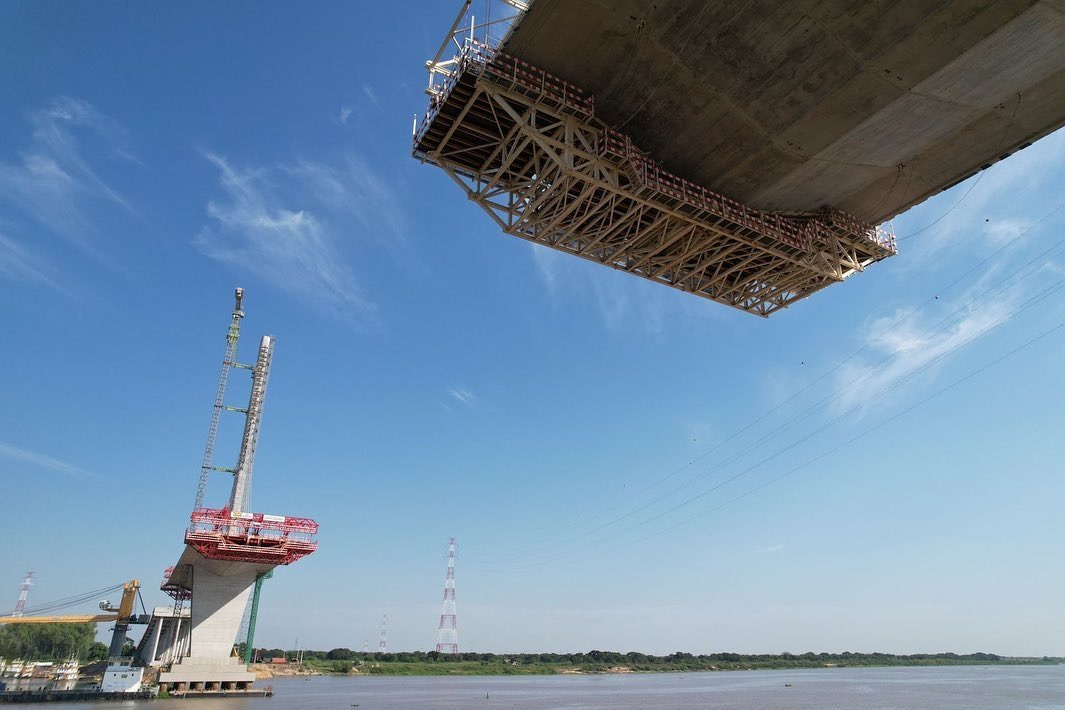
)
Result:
{"points": [[284, 670], [532, 664]]}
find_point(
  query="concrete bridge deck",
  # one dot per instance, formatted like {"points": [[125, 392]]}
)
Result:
{"points": [[795, 105]]}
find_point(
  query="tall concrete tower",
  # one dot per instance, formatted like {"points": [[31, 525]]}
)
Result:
{"points": [[229, 549]]}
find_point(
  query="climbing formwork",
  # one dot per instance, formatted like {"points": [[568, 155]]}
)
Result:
{"points": [[222, 534]]}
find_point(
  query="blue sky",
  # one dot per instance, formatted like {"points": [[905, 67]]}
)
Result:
{"points": [[435, 378]]}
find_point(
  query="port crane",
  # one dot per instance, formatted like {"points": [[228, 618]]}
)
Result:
{"points": [[123, 616]]}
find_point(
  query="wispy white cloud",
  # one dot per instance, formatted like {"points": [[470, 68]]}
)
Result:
{"points": [[285, 224], [1005, 230], [546, 261], [991, 232], [567, 275], [625, 302], [54, 182], [902, 345], [769, 550], [41, 461], [352, 190], [462, 395], [948, 222], [358, 107], [18, 264]]}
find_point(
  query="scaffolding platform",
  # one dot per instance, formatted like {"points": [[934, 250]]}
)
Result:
{"points": [[527, 147], [220, 534]]}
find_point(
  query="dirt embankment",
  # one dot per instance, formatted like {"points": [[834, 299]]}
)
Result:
{"points": [[580, 671], [273, 670]]}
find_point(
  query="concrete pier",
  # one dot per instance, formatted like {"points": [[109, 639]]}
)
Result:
{"points": [[220, 591]]}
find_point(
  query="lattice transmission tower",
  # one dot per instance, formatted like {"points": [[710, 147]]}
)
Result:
{"points": [[382, 645], [20, 605], [447, 635]]}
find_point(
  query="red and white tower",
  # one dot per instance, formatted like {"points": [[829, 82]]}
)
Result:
{"points": [[20, 605], [447, 636]]}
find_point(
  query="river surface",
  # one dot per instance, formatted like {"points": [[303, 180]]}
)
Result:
{"points": [[973, 687]]}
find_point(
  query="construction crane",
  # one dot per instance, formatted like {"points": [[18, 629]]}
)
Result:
{"points": [[122, 616], [230, 360]]}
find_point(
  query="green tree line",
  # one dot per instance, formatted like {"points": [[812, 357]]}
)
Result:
{"points": [[50, 642], [341, 660]]}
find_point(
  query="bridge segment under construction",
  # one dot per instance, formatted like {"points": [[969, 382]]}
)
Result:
{"points": [[740, 152]]}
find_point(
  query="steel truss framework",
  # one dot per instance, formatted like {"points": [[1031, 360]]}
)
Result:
{"points": [[527, 148]]}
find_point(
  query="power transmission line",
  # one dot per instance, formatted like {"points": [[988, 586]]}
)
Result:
{"points": [[894, 385], [845, 444], [898, 321], [939, 327]]}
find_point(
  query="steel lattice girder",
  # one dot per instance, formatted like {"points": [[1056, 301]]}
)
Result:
{"points": [[545, 171]]}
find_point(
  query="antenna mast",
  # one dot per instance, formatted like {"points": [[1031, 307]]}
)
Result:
{"points": [[447, 635], [20, 605]]}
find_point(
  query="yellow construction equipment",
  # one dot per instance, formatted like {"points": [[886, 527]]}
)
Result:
{"points": [[122, 617], [123, 612]]}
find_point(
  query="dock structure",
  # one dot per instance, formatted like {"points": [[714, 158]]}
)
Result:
{"points": [[227, 550], [746, 153]]}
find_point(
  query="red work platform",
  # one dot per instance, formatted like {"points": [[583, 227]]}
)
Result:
{"points": [[220, 534]]}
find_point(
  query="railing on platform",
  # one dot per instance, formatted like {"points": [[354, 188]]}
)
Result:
{"points": [[649, 174], [502, 67], [175, 590], [251, 537]]}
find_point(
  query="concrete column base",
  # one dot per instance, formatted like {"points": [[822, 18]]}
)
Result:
{"points": [[207, 674]]}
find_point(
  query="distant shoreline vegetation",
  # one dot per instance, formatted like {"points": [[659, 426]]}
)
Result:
{"points": [[343, 661]]}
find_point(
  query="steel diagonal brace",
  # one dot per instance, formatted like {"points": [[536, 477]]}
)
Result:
{"points": [[459, 119], [665, 244], [722, 278], [552, 147], [577, 201], [472, 195], [680, 232], [618, 225], [698, 243], [744, 282]]}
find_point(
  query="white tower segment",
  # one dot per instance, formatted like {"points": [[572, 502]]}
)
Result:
{"points": [[240, 498]]}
